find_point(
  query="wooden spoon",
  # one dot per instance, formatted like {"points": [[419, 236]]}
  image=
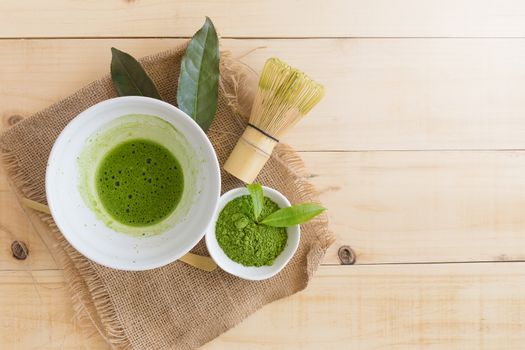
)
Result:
{"points": [[198, 261]]}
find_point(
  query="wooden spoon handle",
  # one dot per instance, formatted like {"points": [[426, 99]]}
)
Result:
{"points": [[204, 263], [199, 261], [35, 205]]}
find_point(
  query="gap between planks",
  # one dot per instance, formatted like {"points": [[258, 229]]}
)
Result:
{"points": [[263, 38], [333, 265]]}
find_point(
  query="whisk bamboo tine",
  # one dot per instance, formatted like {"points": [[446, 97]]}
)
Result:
{"points": [[284, 96]]}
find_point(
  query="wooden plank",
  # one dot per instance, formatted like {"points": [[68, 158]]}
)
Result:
{"points": [[477, 306], [395, 207], [273, 18], [4, 184], [37, 313], [381, 94], [452, 306], [158, 18], [407, 94], [15, 225]]}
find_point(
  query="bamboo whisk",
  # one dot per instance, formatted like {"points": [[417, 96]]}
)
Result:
{"points": [[284, 96]]}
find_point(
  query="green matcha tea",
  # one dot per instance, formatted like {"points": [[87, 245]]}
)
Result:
{"points": [[244, 240], [139, 182]]}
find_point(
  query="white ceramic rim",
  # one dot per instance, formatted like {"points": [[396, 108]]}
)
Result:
{"points": [[249, 272], [71, 237]]}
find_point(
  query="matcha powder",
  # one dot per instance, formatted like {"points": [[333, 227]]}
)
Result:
{"points": [[245, 241]]}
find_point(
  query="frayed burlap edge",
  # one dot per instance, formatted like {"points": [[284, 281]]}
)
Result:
{"points": [[93, 305]]}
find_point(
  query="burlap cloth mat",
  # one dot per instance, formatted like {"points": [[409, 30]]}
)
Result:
{"points": [[176, 306]]}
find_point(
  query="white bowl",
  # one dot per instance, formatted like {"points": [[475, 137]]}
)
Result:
{"points": [[89, 230], [252, 272]]}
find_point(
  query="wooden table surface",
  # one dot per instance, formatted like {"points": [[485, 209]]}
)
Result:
{"points": [[417, 150]]}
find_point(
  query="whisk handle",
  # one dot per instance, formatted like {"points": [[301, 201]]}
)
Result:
{"points": [[250, 154]]}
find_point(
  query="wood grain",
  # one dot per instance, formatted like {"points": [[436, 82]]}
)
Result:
{"points": [[4, 183], [401, 207], [381, 94], [451, 306], [470, 306], [418, 100], [14, 225], [37, 313], [394, 207], [271, 18]]}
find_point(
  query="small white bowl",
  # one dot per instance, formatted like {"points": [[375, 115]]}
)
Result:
{"points": [[101, 241], [252, 272]]}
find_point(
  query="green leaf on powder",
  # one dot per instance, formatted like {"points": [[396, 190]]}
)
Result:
{"points": [[257, 194], [294, 215]]}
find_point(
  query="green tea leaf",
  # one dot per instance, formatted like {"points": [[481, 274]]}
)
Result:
{"points": [[257, 194], [294, 215], [199, 76], [129, 78]]}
